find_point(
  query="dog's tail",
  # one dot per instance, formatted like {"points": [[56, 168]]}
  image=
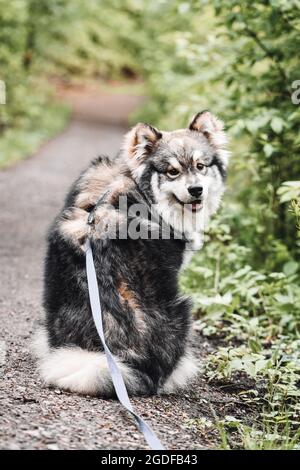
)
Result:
{"points": [[78, 370]]}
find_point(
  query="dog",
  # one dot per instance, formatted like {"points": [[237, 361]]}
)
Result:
{"points": [[147, 322]]}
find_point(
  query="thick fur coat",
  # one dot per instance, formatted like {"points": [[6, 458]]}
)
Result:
{"points": [[161, 176]]}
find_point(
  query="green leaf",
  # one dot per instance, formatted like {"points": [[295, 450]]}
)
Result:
{"points": [[268, 149], [290, 268], [277, 125]]}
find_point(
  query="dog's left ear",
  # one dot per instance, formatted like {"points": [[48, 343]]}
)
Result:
{"points": [[211, 127], [140, 141]]}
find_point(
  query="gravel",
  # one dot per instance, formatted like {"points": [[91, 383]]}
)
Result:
{"points": [[35, 417]]}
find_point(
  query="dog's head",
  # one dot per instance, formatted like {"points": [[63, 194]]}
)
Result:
{"points": [[184, 169]]}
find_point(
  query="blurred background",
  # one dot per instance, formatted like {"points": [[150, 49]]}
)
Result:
{"points": [[240, 59]]}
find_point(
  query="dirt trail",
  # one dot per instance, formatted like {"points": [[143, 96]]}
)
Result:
{"points": [[33, 417]]}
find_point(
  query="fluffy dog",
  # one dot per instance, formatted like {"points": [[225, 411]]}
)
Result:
{"points": [[172, 182]]}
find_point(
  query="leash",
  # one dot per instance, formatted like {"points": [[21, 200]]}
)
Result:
{"points": [[118, 381]]}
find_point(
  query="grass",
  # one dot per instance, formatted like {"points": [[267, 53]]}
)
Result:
{"points": [[253, 320], [19, 142], [235, 435]]}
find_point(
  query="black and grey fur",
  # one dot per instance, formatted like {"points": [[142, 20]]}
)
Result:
{"points": [[146, 320]]}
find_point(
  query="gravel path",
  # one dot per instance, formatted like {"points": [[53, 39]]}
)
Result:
{"points": [[33, 417]]}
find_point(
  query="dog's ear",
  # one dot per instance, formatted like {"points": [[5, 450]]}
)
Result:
{"points": [[211, 127], [140, 141]]}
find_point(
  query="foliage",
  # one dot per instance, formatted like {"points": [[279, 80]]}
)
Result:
{"points": [[261, 73], [179, 68], [234, 434], [241, 67], [290, 192], [39, 38], [239, 59], [245, 283], [19, 142], [256, 318]]}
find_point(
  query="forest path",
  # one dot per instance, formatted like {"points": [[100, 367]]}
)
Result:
{"points": [[33, 417]]}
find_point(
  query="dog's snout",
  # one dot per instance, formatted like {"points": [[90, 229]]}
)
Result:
{"points": [[195, 191]]}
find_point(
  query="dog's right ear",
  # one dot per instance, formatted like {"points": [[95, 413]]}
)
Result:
{"points": [[140, 141], [210, 126], [213, 129]]}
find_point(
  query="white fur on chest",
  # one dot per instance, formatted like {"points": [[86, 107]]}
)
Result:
{"points": [[194, 244]]}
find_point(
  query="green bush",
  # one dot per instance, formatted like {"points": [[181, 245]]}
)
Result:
{"points": [[238, 59], [42, 38], [241, 64]]}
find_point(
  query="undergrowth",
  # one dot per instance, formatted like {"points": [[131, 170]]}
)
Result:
{"points": [[254, 318]]}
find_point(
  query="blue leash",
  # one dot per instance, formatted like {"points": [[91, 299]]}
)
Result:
{"points": [[115, 373]]}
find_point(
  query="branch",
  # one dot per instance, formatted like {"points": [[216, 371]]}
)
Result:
{"points": [[268, 53]]}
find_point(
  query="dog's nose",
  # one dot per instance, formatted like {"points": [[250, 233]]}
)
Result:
{"points": [[195, 191]]}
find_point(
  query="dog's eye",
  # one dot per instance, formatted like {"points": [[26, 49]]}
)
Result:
{"points": [[201, 167], [172, 173]]}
